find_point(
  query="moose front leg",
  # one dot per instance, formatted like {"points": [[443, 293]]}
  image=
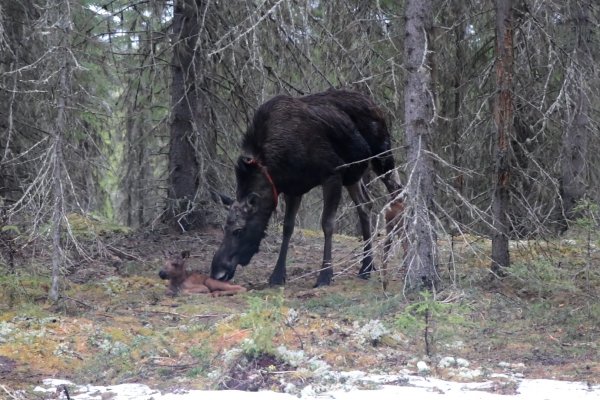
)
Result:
{"points": [[332, 192], [292, 203]]}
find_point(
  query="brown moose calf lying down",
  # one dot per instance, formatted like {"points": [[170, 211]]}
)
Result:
{"points": [[188, 282]]}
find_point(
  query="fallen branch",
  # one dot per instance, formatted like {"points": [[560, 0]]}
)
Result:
{"points": [[83, 303], [183, 315], [123, 254]]}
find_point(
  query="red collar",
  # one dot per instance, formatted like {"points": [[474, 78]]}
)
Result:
{"points": [[265, 172]]}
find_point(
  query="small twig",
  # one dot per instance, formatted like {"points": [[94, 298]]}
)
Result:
{"points": [[123, 254], [11, 395], [183, 315], [289, 325], [83, 303], [281, 372], [178, 366]]}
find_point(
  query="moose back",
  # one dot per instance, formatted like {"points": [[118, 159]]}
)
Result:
{"points": [[293, 144]]}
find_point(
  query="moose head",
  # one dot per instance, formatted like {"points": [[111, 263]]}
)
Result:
{"points": [[247, 220]]}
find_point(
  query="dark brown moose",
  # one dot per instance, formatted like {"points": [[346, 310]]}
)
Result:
{"points": [[292, 146], [188, 282]]}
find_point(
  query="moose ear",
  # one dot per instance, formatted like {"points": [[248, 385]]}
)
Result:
{"points": [[252, 201], [226, 200], [220, 197], [185, 254]]}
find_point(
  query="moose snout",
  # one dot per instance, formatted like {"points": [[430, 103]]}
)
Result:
{"points": [[163, 275], [223, 272], [222, 275], [222, 267]]}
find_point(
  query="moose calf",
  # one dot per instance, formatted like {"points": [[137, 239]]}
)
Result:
{"points": [[188, 282]]}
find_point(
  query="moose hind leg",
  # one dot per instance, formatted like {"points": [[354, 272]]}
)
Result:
{"points": [[332, 193], [364, 204], [292, 203]]}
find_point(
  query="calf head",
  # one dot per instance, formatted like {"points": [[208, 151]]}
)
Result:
{"points": [[174, 267], [244, 230]]}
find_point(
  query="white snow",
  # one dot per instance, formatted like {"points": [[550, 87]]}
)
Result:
{"points": [[417, 387]]}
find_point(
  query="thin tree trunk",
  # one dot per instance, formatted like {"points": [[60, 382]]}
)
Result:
{"points": [[458, 15], [418, 99], [136, 168], [576, 137], [63, 32], [503, 115]]}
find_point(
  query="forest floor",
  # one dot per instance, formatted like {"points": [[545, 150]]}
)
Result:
{"points": [[115, 324]]}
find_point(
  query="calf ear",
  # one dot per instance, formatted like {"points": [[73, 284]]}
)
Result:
{"points": [[185, 254]]}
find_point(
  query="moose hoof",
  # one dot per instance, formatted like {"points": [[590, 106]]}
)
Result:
{"points": [[364, 275], [323, 280], [276, 281], [366, 269]]}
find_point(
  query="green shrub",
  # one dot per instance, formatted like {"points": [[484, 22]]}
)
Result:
{"points": [[264, 318]]}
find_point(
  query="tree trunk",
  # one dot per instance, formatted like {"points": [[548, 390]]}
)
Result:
{"points": [[186, 122], [458, 12], [421, 259], [136, 162], [503, 115], [63, 32], [576, 137]]}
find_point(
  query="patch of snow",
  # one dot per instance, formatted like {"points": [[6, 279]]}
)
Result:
{"points": [[417, 387]]}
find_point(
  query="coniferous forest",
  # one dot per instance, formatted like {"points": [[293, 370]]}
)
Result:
{"points": [[121, 123]]}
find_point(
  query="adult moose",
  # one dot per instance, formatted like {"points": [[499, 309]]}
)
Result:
{"points": [[292, 146]]}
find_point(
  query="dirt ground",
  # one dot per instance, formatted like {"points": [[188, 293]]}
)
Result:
{"points": [[115, 324]]}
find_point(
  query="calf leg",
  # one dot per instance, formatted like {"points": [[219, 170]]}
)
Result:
{"points": [[332, 192], [394, 226], [387, 246], [194, 289], [292, 203], [363, 207], [229, 292], [214, 285]]}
